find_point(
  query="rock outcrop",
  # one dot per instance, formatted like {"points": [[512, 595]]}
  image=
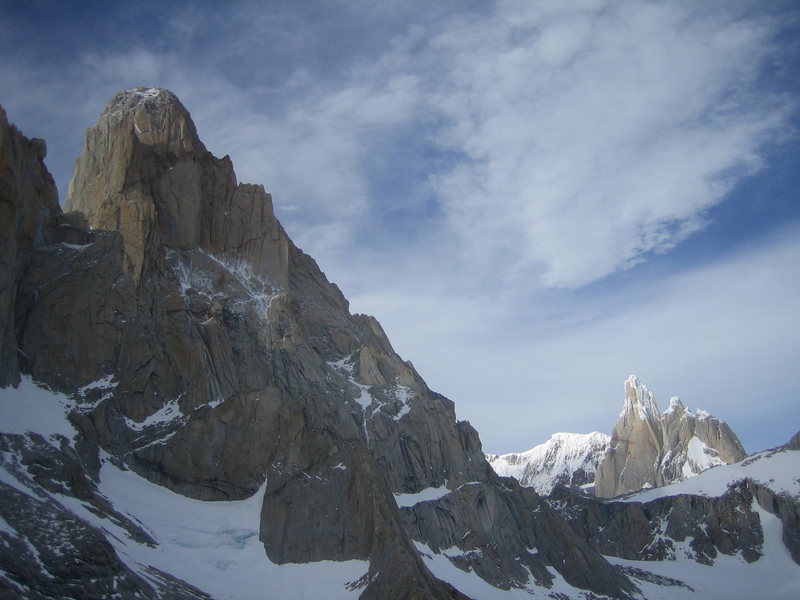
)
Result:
{"points": [[716, 514], [651, 449], [698, 526], [569, 459], [206, 352], [28, 216]]}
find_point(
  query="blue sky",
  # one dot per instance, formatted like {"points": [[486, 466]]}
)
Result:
{"points": [[536, 199]]}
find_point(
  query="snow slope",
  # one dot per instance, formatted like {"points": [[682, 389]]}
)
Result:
{"points": [[775, 576], [777, 469], [213, 546]]}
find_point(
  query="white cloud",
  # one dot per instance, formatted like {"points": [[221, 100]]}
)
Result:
{"points": [[596, 136], [580, 137], [722, 336]]}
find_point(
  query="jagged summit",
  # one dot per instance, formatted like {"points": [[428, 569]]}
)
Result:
{"points": [[649, 448], [569, 459], [157, 116], [639, 399], [145, 173]]}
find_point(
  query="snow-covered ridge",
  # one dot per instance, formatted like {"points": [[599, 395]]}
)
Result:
{"points": [[775, 576], [566, 458], [778, 470]]}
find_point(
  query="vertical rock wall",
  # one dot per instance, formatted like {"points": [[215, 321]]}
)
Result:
{"points": [[28, 215], [209, 354]]}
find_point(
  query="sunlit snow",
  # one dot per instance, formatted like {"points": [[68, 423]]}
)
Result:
{"points": [[215, 546], [778, 470]]}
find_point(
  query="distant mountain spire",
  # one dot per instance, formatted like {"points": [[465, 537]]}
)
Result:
{"points": [[650, 449]]}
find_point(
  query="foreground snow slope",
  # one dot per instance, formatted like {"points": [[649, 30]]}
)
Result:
{"points": [[212, 546], [774, 576]]}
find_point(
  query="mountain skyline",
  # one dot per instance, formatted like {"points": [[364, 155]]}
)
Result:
{"points": [[197, 413], [534, 202]]}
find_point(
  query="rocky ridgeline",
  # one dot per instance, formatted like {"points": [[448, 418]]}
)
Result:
{"points": [[206, 352], [650, 449], [726, 512]]}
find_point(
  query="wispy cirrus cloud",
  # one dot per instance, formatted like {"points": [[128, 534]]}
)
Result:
{"points": [[562, 142], [598, 135], [722, 336]]}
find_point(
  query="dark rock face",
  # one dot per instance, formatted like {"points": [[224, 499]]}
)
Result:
{"points": [[206, 352], [784, 506], [506, 533], [686, 526], [28, 216]]}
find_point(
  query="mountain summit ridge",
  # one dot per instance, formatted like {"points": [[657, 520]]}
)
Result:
{"points": [[649, 448], [569, 459]]}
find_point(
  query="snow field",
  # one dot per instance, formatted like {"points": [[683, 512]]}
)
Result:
{"points": [[213, 546], [779, 470], [775, 576]]}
